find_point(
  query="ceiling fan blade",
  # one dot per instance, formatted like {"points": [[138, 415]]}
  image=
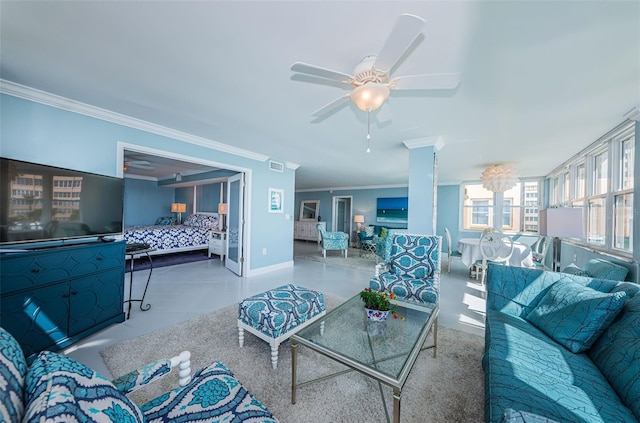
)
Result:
{"points": [[333, 105], [384, 115], [404, 33], [321, 72], [436, 81]]}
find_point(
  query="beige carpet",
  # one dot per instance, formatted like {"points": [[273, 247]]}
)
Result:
{"points": [[449, 388], [336, 258]]}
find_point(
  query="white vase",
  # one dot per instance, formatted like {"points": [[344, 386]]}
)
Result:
{"points": [[377, 315]]}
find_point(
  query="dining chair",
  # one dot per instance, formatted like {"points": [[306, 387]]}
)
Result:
{"points": [[539, 252], [451, 253], [495, 247]]}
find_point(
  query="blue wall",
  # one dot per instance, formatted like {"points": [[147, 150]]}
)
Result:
{"points": [[144, 202], [43, 134], [364, 203]]}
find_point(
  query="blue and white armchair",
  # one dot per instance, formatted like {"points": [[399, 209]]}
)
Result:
{"points": [[55, 387], [333, 241], [412, 272]]}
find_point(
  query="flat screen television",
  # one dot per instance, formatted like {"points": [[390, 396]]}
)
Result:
{"points": [[45, 203]]}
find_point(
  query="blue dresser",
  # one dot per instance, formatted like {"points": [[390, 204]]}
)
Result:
{"points": [[53, 297]]}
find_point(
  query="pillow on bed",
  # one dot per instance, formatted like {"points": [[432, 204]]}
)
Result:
{"points": [[165, 220], [202, 220]]}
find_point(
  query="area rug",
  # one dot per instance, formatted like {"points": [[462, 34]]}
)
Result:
{"points": [[336, 258], [448, 388], [163, 260]]}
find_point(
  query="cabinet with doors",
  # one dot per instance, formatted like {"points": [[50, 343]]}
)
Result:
{"points": [[54, 297], [307, 230]]}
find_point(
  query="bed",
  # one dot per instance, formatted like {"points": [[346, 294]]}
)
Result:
{"points": [[167, 237]]}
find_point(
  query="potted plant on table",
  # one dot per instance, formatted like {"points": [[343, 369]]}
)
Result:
{"points": [[378, 305]]}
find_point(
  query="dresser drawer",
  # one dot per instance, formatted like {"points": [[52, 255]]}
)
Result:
{"points": [[20, 271]]}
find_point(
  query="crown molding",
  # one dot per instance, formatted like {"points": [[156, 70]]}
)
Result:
{"points": [[435, 142], [292, 166], [633, 114], [53, 100]]}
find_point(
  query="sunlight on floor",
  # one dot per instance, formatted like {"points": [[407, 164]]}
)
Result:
{"points": [[466, 320], [474, 303]]}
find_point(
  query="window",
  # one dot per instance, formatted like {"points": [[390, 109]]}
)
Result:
{"points": [[507, 212], [519, 212], [477, 207], [623, 197], [520, 207], [600, 180], [480, 212]]}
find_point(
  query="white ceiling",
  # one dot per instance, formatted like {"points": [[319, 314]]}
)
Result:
{"points": [[540, 79]]}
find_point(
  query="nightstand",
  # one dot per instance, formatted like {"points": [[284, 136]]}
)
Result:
{"points": [[218, 243]]}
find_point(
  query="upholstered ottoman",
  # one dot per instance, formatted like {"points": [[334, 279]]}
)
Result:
{"points": [[277, 314]]}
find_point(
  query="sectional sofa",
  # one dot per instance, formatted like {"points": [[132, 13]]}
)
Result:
{"points": [[561, 348]]}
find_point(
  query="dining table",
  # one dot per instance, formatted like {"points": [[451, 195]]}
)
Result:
{"points": [[469, 248]]}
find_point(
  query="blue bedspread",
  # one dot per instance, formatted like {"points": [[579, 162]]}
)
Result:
{"points": [[167, 237]]}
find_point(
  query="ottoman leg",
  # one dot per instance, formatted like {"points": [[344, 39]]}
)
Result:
{"points": [[274, 355], [241, 336]]}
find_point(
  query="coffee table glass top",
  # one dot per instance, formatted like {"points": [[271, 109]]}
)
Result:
{"points": [[386, 350]]}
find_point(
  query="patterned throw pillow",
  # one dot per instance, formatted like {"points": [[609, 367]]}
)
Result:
{"points": [[572, 269], [202, 220], [59, 388], [165, 220], [13, 370], [575, 315]]}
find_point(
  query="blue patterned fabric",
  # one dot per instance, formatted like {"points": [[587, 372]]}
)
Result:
{"points": [[383, 244], [202, 220], [603, 269], [279, 310], [333, 240], [617, 352], [214, 395], [59, 388], [165, 220], [572, 269], [528, 371], [513, 416], [146, 374], [414, 269], [168, 237], [13, 370], [575, 315]]}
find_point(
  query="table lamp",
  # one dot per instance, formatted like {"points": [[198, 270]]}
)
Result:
{"points": [[562, 222], [222, 211], [359, 220], [178, 208]]}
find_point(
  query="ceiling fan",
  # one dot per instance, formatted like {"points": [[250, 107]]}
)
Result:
{"points": [[138, 164], [371, 81]]}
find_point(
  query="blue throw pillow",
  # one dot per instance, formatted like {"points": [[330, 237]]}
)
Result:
{"points": [[58, 388], [572, 269], [166, 220], [575, 315]]}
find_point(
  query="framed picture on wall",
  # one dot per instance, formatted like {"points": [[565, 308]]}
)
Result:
{"points": [[276, 200]]}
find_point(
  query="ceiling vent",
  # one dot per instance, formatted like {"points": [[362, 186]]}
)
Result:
{"points": [[276, 166]]}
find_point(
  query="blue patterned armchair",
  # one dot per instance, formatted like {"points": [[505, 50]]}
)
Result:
{"points": [[383, 245], [333, 241], [413, 269], [54, 387]]}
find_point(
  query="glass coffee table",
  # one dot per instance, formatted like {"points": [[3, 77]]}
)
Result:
{"points": [[384, 351]]}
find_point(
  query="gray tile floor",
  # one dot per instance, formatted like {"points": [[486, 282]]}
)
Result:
{"points": [[178, 293]]}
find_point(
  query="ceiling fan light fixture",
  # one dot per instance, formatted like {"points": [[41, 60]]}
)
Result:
{"points": [[370, 96]]}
